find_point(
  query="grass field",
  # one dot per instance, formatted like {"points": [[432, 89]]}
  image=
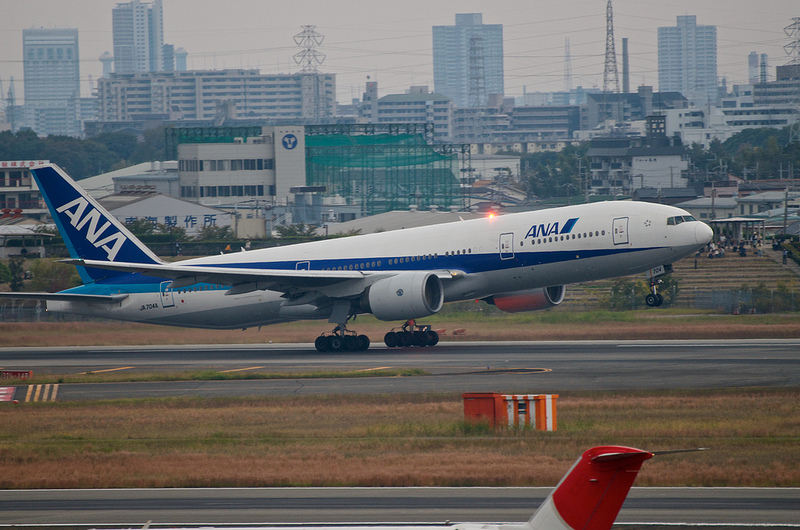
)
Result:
{"points": [[406, 440], [545, 325]]}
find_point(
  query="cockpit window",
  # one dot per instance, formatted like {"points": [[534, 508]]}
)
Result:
{"points": [[678, 219]]}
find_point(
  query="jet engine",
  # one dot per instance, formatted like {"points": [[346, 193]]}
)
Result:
{"points": [[404, 296], [528, 300]]}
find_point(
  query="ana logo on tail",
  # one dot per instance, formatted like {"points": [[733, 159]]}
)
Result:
{"points": [[79, 218]]}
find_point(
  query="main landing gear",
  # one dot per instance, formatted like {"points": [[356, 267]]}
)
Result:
{"points": [[410, 334], [341, 339]]}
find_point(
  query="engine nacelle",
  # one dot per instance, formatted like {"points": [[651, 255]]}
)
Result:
{"points": [[404, 296], [529, 300]]}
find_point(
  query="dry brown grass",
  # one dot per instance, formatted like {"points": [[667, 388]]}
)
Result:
{"points": [[626, 327], [408, 440]]}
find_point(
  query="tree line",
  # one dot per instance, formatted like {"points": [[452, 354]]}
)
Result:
{"points": [[752, 154], [83, 158]]}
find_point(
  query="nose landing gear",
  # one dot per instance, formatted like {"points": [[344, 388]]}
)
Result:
{"points": [[654, 299]]}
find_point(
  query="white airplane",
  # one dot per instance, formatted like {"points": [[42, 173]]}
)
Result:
{"points": [[518, 262], [589, 497]]}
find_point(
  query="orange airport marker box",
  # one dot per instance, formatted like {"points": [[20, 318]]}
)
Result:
{"points": [[511, 410]]}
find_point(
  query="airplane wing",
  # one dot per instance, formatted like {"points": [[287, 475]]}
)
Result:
{"points": [[67, 297], [243, 279]]}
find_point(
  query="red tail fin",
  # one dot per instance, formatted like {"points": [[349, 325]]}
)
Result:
{"points": [[590, 495]]}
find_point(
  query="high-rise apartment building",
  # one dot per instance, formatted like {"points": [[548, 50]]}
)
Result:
{"points": [[138, 30], [204, 94], [468, 60], [687, 59], [52, 80]]}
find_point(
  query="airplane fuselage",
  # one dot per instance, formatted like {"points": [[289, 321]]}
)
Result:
{"points": [[482, 258]]}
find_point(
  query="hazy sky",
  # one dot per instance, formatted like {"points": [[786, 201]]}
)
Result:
{"points": [[390, 41]]}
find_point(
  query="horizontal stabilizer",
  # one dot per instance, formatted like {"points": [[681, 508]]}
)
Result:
{"points": [[67, 297]]}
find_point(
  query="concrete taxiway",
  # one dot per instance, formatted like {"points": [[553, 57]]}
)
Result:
{"points": [[717, 506], [513, 367]]}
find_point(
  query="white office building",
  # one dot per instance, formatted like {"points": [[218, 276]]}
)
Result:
{"points": [[52, 81], [262, 168], [138, 30], [200, 94], [687, 60], [418, 105], [468, 60]]}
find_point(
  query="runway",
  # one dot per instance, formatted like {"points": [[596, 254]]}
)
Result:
{"points": [[511, 367], [739, 506]]}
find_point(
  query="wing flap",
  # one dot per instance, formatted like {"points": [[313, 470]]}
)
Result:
{"points": [[273, 279]]}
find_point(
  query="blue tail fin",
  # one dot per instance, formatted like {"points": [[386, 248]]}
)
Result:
{"points": [[89, 231]]}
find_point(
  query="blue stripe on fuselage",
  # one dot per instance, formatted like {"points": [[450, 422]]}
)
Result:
{"points": [[469, 263]]}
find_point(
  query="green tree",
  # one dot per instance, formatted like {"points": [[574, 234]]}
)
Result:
{"points": [[298, 231], [5, 273], [16, 266], [152, 147], [215, 233], [121, 144], [142, 227], [552, 174], [53, 276]]}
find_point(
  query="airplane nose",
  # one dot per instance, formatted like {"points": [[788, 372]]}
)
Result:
{"points": [[703, 233]]}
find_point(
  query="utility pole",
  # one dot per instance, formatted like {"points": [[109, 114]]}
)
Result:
{"points": [[793, 50], [567, 67], [785, 209], [610, 73]]}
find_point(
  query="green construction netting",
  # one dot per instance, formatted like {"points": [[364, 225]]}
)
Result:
{"points": [[382, 172], [371, 151]]}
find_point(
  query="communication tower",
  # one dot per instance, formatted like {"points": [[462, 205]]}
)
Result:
{"points": [[792, 48], [611, 74], [567, 67], [477, 89], [477, 79], [309, 58]]}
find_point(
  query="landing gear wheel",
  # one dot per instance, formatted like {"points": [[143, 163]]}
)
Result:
{"points": [[335, 343], [363, 343], [321, 343], [420, 338], [406, 338], [350, 343], [433, 338], [651, 300], [391, 339]]}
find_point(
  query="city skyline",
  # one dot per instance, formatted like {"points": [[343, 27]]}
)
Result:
{"points": [[391, 42]]}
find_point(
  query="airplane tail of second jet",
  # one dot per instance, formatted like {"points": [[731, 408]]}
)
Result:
{"points": [[89, 231], [592, 492]]}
